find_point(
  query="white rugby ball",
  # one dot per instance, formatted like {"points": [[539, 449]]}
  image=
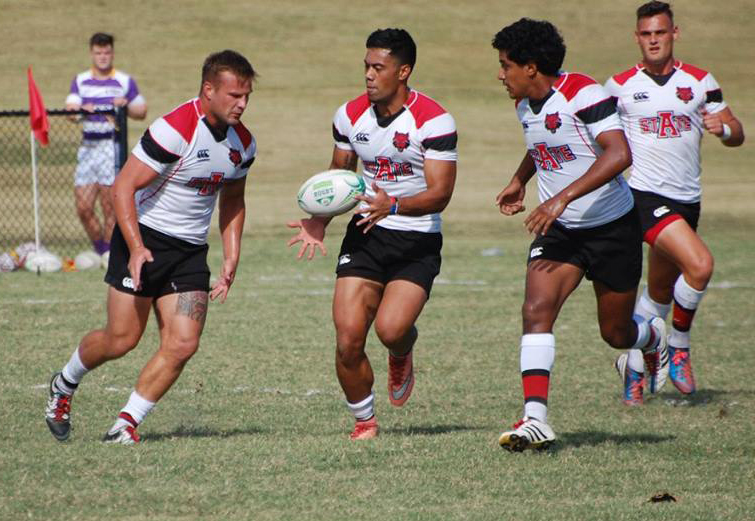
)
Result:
{"points": [[86, 260], [44, 260], [330, 193]]}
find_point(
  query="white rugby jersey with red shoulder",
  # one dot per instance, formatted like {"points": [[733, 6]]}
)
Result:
{"points": [[664, 125], [192, 162], [560, 132], [393, 149]]}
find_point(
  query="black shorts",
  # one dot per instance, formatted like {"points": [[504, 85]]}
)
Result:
{"points": [[610, 253], [657, 212], [178, 265], [383, 255]]}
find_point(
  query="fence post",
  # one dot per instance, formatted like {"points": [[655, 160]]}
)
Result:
{"points": [[121, 137]]}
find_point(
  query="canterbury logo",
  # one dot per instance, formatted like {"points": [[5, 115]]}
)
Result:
{"points": [[127, 283], [344, 259], [536, 252], [661, 210]]}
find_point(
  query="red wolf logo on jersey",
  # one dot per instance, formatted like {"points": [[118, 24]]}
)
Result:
{"points": [[235, 156], [401, 141], [685, 94], [552, 122]]}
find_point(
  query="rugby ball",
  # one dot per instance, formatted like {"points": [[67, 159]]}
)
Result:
{"points": [[330, 193], [86, 260], [43, 260]]}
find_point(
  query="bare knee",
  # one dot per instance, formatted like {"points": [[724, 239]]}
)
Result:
{"points": [[700, 271], [349, 347], [538, 315], [616, 336], [118, 344], [393, 335], [180, 349]]}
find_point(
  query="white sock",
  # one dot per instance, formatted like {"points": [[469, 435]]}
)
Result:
{"points": [[689, 298], [363, 410], [635, 361], [644, 335], [648, 308], [137, 407], [74, 370], [538, 351]]}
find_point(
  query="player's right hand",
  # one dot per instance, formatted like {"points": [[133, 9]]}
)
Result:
{"points": [[135, 262], [511, 199], [311, 234]]}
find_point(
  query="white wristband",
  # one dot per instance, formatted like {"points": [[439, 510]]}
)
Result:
{"points": [[727, 132]]}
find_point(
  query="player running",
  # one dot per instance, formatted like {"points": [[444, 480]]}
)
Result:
{"points": [[164, 198], [391, 252], [586, 224], [666, 106]]}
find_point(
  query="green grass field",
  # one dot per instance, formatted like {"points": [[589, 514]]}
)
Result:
{"points": [[256, 427]]}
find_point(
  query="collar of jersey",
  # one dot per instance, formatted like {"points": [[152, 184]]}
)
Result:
{"points": [[216, 134], [662, 79], [537, 105], [387, 120]]}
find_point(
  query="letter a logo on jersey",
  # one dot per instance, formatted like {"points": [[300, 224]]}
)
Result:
{"points": [[235, 156], [685, 94], [552, 122], [401, 141]]}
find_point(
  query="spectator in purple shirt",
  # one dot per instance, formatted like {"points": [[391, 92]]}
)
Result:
{"points": [[100, 88]]}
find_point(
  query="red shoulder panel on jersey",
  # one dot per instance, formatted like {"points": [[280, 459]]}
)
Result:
{"points": [[622, 77], [698, 73], [571, 83], [184, 119], [423, 108], [357, 107], [244, 135]]}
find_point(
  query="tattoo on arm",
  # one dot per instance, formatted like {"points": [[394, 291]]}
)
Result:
{"points": [[193, 304]]}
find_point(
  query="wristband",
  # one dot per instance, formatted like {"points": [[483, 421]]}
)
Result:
{"points": [[394, 206], [727, 132]]}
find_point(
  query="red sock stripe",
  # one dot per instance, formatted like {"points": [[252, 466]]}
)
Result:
{"points": [[682, 320], [126, 416], [535, 384]]}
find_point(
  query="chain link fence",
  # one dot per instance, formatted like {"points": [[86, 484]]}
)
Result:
{"points": [[60, 227]]}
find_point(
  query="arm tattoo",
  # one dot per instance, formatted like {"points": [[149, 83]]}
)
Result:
{"points": [[193, 304]]}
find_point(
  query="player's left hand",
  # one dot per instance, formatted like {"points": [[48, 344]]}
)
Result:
{"points": [[379, 207], [541, 218], [712, 123], [223, 285]]}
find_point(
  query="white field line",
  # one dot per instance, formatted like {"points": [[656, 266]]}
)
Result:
{"points": [[306, 393]]}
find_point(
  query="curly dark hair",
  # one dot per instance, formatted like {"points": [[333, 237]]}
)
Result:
{"points": [[398, 41], [532, 41], [653, 8]]}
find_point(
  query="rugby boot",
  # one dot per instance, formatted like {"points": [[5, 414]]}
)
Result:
{"points": [[680, 370], [122, 432], [400, 378], [365, 429], [656, 361], [528, 433], [58, 411], [633, 381]]}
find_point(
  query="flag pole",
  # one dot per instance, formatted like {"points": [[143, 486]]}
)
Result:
{"points": [[35, 190]]}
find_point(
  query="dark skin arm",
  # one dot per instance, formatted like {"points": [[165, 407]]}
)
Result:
{"points": [[616, 157], [440, 177]]}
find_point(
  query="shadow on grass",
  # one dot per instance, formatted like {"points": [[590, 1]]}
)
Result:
{"points": [[702, 396], [199, 432], [430, 430], [593, 438]]}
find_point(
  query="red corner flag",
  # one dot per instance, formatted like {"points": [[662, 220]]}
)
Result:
{"points": [[37, 113]]}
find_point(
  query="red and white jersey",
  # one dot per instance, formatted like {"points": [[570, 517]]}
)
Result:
{"points": [[393, 149], [663, 123], [560, 133], [192, 162]]}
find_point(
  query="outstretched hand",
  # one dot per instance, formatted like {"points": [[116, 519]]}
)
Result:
{"points": [[311, 235]]}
